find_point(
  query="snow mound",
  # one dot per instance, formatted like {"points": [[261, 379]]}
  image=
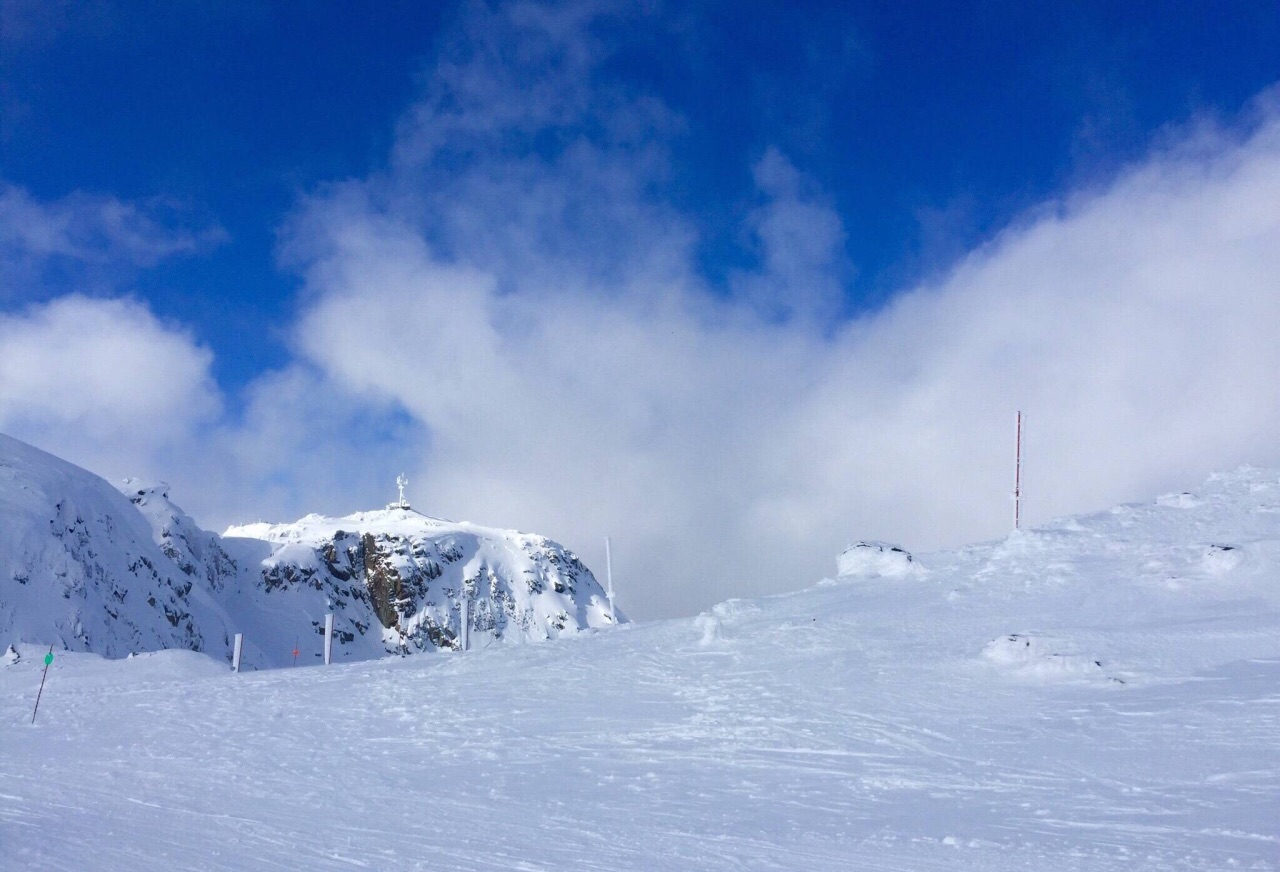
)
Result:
{"points": [[87, 669], [1033, 659], [709, 626], [1220, 559], [875, 560], [1182, 500]]}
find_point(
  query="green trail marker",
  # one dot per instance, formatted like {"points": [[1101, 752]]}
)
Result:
{"points": [[48, 660]]}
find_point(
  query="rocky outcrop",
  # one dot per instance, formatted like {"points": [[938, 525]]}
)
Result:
{"points": [[406, 576], [198, 553]]}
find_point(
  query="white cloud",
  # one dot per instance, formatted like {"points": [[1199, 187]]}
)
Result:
{"points": [[302, 444], [803, 268], [515, 310], [88, 231], [107, 385], [103, 382], [730, 452]]}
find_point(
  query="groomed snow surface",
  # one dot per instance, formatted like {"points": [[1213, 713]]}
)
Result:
{"points": [[1102, 694]]}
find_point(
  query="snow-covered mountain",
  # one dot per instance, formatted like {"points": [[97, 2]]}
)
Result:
{"points": [[397, 580], [79, 568], [87, 567]]}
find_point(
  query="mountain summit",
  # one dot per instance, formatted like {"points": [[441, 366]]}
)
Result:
{"points": [[398, 580]]}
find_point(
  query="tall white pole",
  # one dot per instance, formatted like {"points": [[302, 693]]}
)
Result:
{"points": [[328, 639], [1017, 476], [608, 568], [235, 653]]}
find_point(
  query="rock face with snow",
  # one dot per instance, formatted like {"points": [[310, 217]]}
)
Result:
{"points": [[399, 581], [79, 568], [198, 553], [87, 567]]}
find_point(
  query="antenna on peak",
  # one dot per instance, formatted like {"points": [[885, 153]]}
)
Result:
{"points": [[401, 483]]}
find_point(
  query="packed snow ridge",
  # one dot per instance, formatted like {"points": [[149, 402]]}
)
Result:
{"points": [[87, 567]]}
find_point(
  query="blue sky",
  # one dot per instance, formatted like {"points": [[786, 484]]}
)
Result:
{"points": [[745, 202], [928, 126]]}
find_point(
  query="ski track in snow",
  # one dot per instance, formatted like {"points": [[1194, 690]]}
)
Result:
{"points": [[1132, 722]]}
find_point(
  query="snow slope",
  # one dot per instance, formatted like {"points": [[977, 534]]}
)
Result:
{"points": [[1102, 693], [79, 569]]}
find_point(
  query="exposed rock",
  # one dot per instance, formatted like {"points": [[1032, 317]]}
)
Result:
{"points": [[876, 560], [407, 574]]}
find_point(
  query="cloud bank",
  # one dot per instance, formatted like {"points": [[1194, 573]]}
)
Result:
{"points": [[514, 310], [730, 453], [523, 286]]}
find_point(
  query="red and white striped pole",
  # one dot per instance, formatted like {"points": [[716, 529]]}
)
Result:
{"points": [[1017, 477]]}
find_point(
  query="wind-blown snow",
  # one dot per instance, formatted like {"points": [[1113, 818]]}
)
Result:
{"points": [[1102, 693]]}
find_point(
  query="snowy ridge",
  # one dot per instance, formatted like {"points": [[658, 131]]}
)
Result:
{"points": [[79, 569], [87, 567], [317, 530]]}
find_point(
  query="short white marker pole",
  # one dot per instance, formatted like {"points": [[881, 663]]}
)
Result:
{"points": [[608, 569], [464, 628], [328, 639], [235, 652]]}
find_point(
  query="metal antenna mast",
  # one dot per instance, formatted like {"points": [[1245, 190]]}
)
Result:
{"points": [[402, 483], [1017, 476]]}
